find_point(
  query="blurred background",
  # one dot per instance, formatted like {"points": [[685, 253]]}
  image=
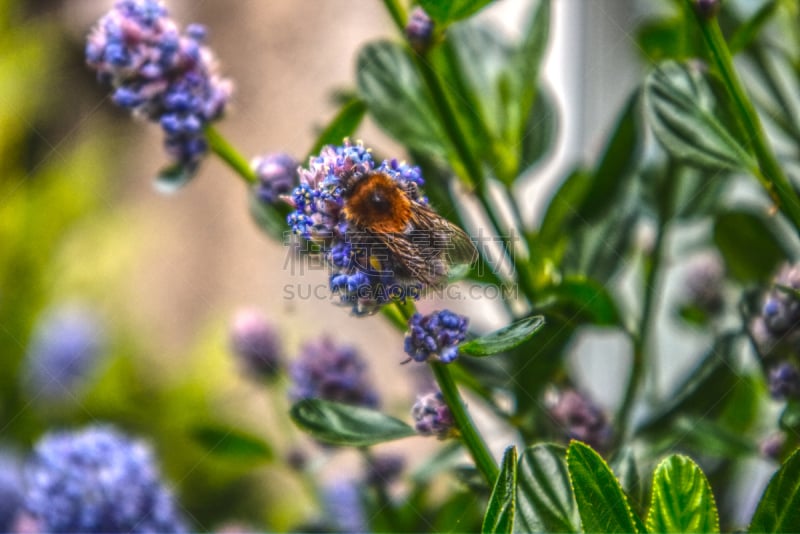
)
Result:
{"points": [[88, 245]]}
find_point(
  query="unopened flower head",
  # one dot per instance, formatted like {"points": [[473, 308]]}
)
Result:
{"points": [[784, 381], [361, 212], [704, 280], [707, 8], [419, 30], [432, 416], [384, 469], [579, 418], [772, 446], [435, 336], [98, 480], [256, 344], [277, 176], [325, 370], [66, 345], [776, 329], [160, 73]]}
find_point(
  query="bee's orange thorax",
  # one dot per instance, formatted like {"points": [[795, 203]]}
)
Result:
{"points": [[377, 203]]}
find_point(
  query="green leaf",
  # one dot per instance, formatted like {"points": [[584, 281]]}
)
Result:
{"points": [[172, 178], [342, 424], [602, 504], [504, 339], [231, 444], [580, 296], [389, 84], [270, 219], [619, 160], [747, 32], [445, 11], [701, 390], [343, 125], [544, 497], [682, 500], [790, 416], [500, 510], [683, 112], [624, 467], [663, 39], [779, 507], [749, 245], [541, 130]]}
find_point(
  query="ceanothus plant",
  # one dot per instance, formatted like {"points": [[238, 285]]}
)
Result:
{"points": [[475, 118]]}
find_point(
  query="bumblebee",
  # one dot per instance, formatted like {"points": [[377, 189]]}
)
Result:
{"points": [[400, 231]]}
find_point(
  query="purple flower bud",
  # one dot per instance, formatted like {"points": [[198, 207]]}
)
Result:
{"points": [[331, 372], [66, 345], [776, 329], [772, 446], [436, 336], [384, 469], [579, 418], [256, 345], [98, 480], [704, 279], [784, 381], [419, 30], [432, 416], [277, 176], [707, 8]]}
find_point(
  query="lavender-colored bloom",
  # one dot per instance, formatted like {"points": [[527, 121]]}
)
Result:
{"points": [[363, 272], [10, 492], [784, 381], [65, 347], [98, 480], [344, 508], [256, 344], [435, 336], [432, 416], [331, 372], [277, 176], [579, 418], [775, 330], [159, 73], [384, 469], [772, 446], [419, 30], [707, 8], [704, 281]]}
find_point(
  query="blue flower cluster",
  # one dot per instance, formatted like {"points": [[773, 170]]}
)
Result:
{"points": [[777, 334], [331, 372], [436, 336], [363, 273], [256, 344], [97, 480], [277, 176], [432, 416], [65, 347], [161, 74]]}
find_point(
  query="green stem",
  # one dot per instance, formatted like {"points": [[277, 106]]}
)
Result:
{"points": [[652, 268], [469, 434], [222, 148], [771, 176], [397, 12], [475, 178]]}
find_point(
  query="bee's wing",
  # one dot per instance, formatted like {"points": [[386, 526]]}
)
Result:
{"points": [[449, 241]]}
